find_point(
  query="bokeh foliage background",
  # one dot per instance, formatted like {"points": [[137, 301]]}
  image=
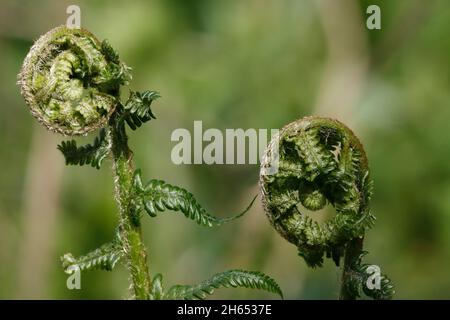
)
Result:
{"points": [[236, 64]]}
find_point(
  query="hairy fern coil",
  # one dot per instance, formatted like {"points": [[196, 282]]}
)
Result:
{"points": [[320, 161], [70, 80]]}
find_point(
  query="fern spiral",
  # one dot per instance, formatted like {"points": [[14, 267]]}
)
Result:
{"points": [[320, 161], [70, 80]]}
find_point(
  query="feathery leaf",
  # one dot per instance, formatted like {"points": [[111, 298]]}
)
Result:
{"points": [[92, 154], [104, 258], [157, 195], [232, 278], [137, 109], [360, 276]]}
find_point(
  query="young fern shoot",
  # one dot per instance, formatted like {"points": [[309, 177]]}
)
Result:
{"points": [[71, 82], [321, 161]]}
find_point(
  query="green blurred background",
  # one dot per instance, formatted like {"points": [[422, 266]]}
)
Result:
{"points": [[236, 64]]}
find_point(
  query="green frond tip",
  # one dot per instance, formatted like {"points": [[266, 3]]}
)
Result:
{"points": [[232, 278], [137, 109], [109, 52], [157, 196], [157, 289], [92, 154], [104, 258]]}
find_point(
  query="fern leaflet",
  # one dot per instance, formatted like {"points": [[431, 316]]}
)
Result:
{"points": [[157, 195], [137, 110], [104, 258], [362, 275], [156, 290], [232, 278], [92, 154]]}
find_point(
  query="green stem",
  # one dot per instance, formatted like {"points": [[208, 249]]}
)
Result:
{"points": [[352, 251], [130, 227]]}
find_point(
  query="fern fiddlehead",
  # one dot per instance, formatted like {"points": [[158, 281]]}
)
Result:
{"points": [[320, 162], [71, 82]]}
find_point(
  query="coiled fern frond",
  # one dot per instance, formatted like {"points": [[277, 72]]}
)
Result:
{"points": [[320, 161], [158, 196], [71, 81]]}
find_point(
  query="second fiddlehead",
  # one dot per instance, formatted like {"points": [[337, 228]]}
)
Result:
{"points": [[320, 161]]}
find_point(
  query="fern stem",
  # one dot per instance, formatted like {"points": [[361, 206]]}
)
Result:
{"points": [[353, 250], [130, 227]]}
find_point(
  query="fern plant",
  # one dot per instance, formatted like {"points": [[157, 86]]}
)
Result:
{"points": [[71, 82], [320, 161]]}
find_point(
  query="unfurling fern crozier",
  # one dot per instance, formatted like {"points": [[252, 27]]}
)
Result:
{"points": [[320, 162], [70, 80]]}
